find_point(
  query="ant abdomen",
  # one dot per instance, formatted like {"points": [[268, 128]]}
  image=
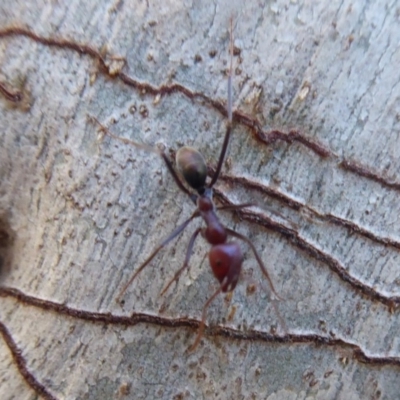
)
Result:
{"points": [[226, 262], [192, 167]]}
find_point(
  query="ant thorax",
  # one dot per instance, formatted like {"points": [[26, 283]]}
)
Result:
{"points": [[215, 233], [204, 201]]}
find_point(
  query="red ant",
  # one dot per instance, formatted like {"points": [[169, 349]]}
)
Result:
{"points": [[225, 257]]}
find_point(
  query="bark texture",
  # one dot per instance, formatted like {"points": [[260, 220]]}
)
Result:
{"points": [[79, 211]]}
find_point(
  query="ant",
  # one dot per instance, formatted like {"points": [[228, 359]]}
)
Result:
{"points": [[225, 257]]}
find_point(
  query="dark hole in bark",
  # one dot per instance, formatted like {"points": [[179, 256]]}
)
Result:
{"points": [[6, 246]]}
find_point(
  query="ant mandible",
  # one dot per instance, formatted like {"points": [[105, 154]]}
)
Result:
{"points": [[225, 257]]}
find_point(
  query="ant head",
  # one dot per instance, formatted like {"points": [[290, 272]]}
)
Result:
{"points": [[192, 167]]}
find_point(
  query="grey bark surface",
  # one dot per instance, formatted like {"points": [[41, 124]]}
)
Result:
{"points": [[84, 211]]}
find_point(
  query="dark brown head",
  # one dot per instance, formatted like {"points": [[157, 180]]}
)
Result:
{"points": [[192, 167]]}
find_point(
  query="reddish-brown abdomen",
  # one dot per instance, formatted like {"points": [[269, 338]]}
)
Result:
{"points": [[226, 262]]}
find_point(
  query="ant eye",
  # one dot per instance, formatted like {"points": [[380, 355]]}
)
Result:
{"points": [[192, 166]]}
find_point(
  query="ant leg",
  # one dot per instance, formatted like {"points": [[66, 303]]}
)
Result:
{"points": [[176, 178], [130, 142], [265, 272], [172, 236], [229, 110], [186, 262], [203, 319], [233, 207], [146, 147], [258, 258]]}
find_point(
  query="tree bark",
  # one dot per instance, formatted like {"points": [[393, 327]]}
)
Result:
{"points": [[315, 147]]}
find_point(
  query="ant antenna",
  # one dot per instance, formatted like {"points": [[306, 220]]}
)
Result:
{"points": [[229, 112], [229, 105]]}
